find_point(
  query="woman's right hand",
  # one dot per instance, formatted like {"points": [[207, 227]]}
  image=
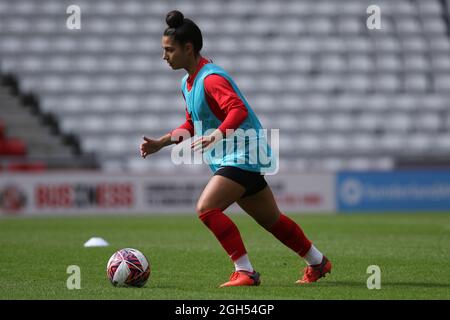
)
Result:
{"points": [[149, 146]]}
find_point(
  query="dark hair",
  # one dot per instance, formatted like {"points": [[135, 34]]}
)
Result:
{"points": [[183, 30]]}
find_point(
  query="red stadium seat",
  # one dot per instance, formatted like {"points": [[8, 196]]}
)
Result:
{"points": [[2, 130], [12, 147], [26, 167]]}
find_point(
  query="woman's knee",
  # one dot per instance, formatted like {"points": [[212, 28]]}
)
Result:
{"points": [[205, 205]]}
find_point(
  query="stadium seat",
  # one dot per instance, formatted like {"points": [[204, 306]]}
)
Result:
{"points": [[363, 143], [12, 147], [361, 63], [343, 96], [440, 62], [414, 43], [307, 143], [336, 143], [26, 167], [341, 122], [408, 25], [2, 130], [416, 82], [392, 143]]}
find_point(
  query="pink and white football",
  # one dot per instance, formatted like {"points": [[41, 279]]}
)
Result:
{"points": [[128, 268]]}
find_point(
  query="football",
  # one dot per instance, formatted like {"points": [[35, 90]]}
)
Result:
{"points": [[128, 268]]}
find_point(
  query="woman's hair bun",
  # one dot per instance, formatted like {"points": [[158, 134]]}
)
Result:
{"points": [[174, 19]]}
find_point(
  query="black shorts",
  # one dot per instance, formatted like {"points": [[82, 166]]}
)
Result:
{"points": [[253, 182]]}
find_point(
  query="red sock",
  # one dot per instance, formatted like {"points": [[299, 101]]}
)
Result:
{"points": [[290, 233], [225, 231]]}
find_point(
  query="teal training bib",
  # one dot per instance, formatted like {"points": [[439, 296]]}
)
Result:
{"points": [[247, 148]]}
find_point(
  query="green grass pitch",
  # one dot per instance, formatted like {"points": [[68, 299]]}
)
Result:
{"points": [[412, 251]]}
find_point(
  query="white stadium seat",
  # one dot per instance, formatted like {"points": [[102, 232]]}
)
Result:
{"points": [[343, 96]]}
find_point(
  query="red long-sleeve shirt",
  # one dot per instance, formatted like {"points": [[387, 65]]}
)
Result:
{"points": [[224, 102]]}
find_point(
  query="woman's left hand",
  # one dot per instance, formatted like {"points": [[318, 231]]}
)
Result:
{"points": [[204, 142]]}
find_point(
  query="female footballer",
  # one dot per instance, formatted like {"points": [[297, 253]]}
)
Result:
{"points": [[215, 103]]}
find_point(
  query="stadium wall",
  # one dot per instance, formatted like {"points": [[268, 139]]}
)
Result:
{"points": [[406, 190], [97, 193], [316, 193]]}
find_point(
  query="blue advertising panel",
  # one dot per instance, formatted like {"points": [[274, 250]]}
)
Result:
{"points": [[393, 191]]}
